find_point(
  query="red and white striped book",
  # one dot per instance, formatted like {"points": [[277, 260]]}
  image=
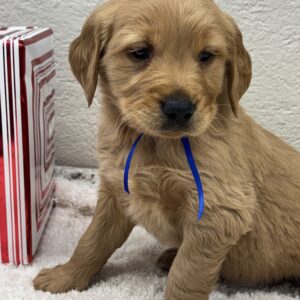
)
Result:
{"points": [[27, 74]]}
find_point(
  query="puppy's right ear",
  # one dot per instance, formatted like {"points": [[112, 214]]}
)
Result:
{"points": [[85, 50]]}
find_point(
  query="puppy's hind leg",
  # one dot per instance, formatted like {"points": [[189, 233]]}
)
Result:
{"points": [[165, 260], [108, 231]]}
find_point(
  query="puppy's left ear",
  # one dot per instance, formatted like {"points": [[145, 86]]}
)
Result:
{"points": [[86, 50], [239, 67]]}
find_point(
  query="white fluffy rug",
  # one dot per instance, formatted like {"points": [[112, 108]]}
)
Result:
{"points": [[130, 273]]}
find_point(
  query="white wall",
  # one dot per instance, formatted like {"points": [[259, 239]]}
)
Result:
{"points": [[272, 35]]}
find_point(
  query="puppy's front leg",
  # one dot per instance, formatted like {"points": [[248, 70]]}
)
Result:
{"points": [[196, 268], [108, 230]]}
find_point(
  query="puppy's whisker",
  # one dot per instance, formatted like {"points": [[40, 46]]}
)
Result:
{"points": [[146, 127]]}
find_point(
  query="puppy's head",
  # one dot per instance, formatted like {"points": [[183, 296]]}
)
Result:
{"points": [[162, 64]]}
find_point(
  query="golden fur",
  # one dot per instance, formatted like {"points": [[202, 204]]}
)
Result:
{"points": [[249, 233]]}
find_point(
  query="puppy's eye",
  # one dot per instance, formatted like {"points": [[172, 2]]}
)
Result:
{"points": [[140, 54], [206, 56]]}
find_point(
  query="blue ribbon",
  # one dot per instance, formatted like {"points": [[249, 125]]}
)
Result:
{"points": [[128, 163], [191, 161], [192, 164]]}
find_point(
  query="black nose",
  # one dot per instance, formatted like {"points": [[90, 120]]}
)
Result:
{"points": [[178, 108]]}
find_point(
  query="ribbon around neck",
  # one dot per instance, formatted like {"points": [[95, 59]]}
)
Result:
{"points": [[191, 162], [128, 163]]}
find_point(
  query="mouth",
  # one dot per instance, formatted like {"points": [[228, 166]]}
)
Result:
{"points": [[174, 130], [175, 126]]}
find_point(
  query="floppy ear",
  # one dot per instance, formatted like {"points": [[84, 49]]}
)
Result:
{"points": [[239, 68], [86, 50]]}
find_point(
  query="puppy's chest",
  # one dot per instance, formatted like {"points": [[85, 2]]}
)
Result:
{"points": [[157, 201], [159, 180]]}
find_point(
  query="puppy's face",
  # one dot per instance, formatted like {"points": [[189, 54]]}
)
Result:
{"points": [[163, 64]]}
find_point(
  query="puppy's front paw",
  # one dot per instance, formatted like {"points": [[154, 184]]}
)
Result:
{"points": [[60, 279]]}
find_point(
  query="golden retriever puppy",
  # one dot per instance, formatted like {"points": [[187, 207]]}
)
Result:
{"points": [[169, 69]]}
